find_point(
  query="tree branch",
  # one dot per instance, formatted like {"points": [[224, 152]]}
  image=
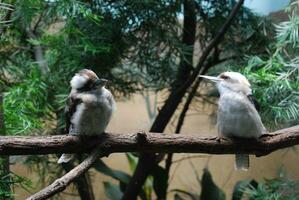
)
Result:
{"points": [[61, 183], [82, 184], [148, 143], [147, 162], [189, 99], [213, 43]]}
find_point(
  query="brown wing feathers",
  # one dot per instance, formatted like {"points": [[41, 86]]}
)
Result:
{"points": [[254, 102], [72, 104]]}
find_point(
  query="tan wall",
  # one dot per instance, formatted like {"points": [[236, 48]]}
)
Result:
{"points": [[131, 116]]}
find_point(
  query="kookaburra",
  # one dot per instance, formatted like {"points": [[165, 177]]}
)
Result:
{"points": [[89, 106], [237, 111]]}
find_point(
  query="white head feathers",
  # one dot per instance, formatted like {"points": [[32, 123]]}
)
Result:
{"points": [[78, 81], [84, 77]]}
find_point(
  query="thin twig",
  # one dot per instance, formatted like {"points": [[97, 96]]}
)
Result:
{"points": [[61, 183]]}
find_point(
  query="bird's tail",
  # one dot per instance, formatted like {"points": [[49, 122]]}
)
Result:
{"points": [[64, 158], [242, 162]]}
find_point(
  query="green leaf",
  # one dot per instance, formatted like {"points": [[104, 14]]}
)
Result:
{"points": [[34, 42], [123, 177], [240, 188], [132, 161], [112, 191], [160, 182], [209, 190], [189, 194], [177, 197]]}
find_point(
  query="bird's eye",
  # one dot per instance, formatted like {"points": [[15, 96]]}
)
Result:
{"points": [[224, 77]]}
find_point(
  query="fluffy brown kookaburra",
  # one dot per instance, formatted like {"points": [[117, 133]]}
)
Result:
{"points": [[237, 111], [89, 106]]}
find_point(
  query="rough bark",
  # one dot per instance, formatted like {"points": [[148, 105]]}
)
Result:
{"points": [[108, 143], [148, 143]]}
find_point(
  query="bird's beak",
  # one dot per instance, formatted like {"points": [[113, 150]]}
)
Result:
{"points": [[101, 82], [211, 78]]}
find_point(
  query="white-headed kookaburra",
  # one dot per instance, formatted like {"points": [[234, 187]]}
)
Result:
{"points": [[89, 106], [237, 111]]}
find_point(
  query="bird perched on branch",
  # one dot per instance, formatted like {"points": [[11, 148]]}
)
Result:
{"points": [[237, 111], [89, 106]]}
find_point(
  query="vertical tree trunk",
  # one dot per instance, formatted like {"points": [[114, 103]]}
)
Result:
{"points": [[175, 97], [38, 54], [147, 161]]}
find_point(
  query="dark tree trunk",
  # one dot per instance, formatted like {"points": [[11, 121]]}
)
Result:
{"points": [[147, 161], [179, 89]]}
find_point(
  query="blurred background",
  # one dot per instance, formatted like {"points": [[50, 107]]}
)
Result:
{"points": [[148, 49]]}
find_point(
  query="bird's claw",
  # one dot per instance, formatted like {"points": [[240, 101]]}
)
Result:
{"points": [[73, 133], [265, 135], [219, 138]]}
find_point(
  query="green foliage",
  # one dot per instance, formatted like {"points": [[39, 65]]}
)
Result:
{"points": [[116, 174], [273, 189], [135, 44], [209, 190], [275, 76], [112, 191], [25, 105], [241, 186], [123, 179], [12, 179], [275, 84], [248, 32], [287, 32]]}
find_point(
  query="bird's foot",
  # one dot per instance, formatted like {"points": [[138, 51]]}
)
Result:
{"points": [[84, 138], [265, 135], [71, 132], [221, 138]]}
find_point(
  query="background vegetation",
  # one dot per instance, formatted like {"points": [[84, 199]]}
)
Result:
{"points": [[140, 46]]}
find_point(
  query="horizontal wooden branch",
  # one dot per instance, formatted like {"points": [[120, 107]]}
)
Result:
{"points": [[147, 142]]}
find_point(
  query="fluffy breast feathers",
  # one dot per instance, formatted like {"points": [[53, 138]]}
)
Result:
{"points": [[89, 110]]}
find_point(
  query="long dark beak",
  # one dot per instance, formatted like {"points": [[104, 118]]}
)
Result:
{"points": [[211, 78], [101, 82], [104, 80]]}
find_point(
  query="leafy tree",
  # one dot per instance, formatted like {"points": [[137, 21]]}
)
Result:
{"points": [[275, 75], [140, 46]]}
